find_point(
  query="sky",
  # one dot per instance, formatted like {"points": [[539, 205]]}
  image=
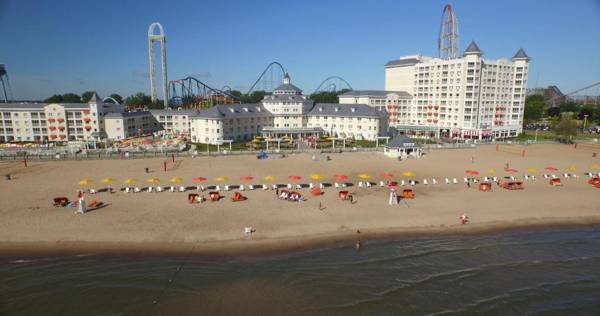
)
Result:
{"points": [[73, 46]]}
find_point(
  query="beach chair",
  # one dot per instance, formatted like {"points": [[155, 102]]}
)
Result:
{"points": [[289, 186], [92, 191], [250, 187], [127, 189], [434, 181], [343, 185], [172, 189], [546, 176], [218, 188], [512, 178], [321, 186], [182, 189], [137, 190], [381, 184], [298, 186], [150, 189], [475, 180], [553, 176], [454, 181], [242, 188], [214, 196], [159, 189], [526, 177], [566, 175], [574, 175], [412, 182], [274, 187], [310, 185], [533, 177], [425, 182], [495, 179], [265, 187], [226, 187], [447, 181], [248, 230], [337, 185], [402, 183], [466, 180], [368, 184]]}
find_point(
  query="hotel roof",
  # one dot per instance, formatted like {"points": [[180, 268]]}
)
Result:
{"points": [[374, 93]]}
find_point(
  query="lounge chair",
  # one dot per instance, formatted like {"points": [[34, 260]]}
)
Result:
{"points": [[289, 186], [95, 203], [512, 178], [127, 189], [343, 185], [274, 187], [381, 184], [566, 175], [574, 175], [533, 178], [368, 184], [298, 186], [425, 182], [250, 187], [402, 183], [92, 191], [337, 185], [454, 181], [447, 181], [137, 190], [321, 186], [226, 187], [150, 189], [242, 188], [182, 188], [412, 182], [265, 187], [434, 181], [310, 185], [218, 188], [159, 189], [553, 176], [172, 189], [466, 180]]}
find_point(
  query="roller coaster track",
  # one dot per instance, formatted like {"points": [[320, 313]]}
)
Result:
{"points": [[273, 64], [330, 83], [190, 88]]}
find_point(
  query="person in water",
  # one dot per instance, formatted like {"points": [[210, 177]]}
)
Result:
{"points": [[357, 245]]}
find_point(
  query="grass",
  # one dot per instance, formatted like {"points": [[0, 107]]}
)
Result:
{"points": [[550, 135]]}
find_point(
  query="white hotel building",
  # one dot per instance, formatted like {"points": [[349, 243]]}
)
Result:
{"points": [[467, 97]]}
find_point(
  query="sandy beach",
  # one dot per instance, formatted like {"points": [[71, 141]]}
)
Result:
{"points": [[167, 222]]}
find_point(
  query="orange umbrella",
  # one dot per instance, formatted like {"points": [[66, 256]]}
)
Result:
{"points": [[199, 179], [341, 177], [551, 168], [247, 178], [472, 172], [387, 175], [511, 170], [294, 177]]}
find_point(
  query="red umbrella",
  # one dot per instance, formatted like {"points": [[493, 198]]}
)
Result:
{"points": [[551, 168], [341, 177], [511, 170], [294, 177], [247, 178], [387, 175], [472, 172], [199, 179]]}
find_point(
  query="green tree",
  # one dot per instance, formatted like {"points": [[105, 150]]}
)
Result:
{"points": [[236, 93], [138, 99], [553, 112], [71, 98], [254, 97], [87, 96], [534, 108], [56, 98], [325, 97], [566, 126], [117, 97], [569, 107]]}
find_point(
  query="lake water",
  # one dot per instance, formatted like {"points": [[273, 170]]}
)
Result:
{"points": [[555, 272]]}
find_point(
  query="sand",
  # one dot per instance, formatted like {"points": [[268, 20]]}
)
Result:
{"points": [[166, 222]]}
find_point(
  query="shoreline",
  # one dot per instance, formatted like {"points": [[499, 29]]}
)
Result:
{"points": [[248, 247]]}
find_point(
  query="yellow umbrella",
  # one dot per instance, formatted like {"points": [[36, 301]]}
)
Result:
{"points": [[364, 176], [596, 167], [221, 179], [269, 178], [492, 170], [531, 170], [176, 179], [409, 174], [130, 181], [572, 168], [316, 176], [153, 180], [86, 182], [107, 180]]}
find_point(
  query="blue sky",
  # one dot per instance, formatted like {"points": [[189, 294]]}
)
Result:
{"points": [[73, 46]]}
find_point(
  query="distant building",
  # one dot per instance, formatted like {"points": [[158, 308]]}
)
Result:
{"points": [[552, 95], [287, 112], [123, 125], [463, 98]]}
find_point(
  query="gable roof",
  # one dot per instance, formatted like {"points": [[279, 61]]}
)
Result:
{"points": [[225, 111], [374, 93], [401, 141], [346, 110]]}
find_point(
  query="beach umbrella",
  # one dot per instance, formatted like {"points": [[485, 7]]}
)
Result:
{"points": [[130, 181], [176, 180], [107, 180], [531, 170], [246, 178], [294, 177], [551, 168], [364, 176], [492, 170], [269, 178], [409, 174], [387, 175], [341, 177], [86, 182], [199, 179], [572, 168], [221, 179], [472, 172], [596, 167], [511, 170], [316, 176], [153, 180]]}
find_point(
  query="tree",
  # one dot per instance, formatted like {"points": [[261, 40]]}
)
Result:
{"points": [[87, 96], [138, 99], [586, 110], [71, 98], [553, 112], [566, 127], [56, 98], [569, 107], [325, 97], [255, 97], [236, 93], [534, 108], [117, 98]]}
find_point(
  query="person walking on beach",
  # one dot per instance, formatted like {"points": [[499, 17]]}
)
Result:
{"points": [[468, 184], [351, 197], [277, 191], [472, 159]]}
